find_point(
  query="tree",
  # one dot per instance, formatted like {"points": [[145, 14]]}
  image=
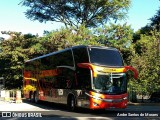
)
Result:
{"points": [[146, 56], [14, 51], [155, 20], [118, 36], [90, 13], [67, 37], [146, 60]]}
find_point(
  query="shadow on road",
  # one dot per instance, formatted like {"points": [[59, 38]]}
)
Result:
{"points": [[59, 110], [53, 109]]}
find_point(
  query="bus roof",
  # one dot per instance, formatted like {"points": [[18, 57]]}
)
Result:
{"points": [[74, 47]]}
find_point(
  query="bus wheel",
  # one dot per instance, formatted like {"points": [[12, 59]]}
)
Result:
{"points": [[31, 96], [71, 103]]}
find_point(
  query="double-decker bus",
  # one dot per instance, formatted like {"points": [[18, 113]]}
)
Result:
{"points": [[81, 76]]}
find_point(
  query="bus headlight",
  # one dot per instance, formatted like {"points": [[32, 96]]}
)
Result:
{"points": [[96, 97]]}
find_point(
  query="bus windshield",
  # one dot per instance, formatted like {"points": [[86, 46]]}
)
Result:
{"points": [[106, 57], [113, 83]]}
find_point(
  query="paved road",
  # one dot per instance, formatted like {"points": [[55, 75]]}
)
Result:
{"points": [[47, 111]]}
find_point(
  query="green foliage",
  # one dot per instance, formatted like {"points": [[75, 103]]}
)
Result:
{"points": [[146, 56], [155, 20], [118, 36], [146, 60], [14, 52], [67, 37], [90, 13]]}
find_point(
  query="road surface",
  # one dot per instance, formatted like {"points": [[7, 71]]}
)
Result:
{"points": [[50, 111]]}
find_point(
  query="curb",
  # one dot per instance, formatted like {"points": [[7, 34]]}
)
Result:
{"points": [[144, 104]]}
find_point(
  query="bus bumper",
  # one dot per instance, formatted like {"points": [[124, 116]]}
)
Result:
{"points": [[107, 105], [108, 101]]}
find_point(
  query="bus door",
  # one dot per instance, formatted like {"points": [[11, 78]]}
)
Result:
{"points": [[83, 87]]}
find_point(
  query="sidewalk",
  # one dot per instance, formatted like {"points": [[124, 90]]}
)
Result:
{"points": [[8, 106], [24, 106]]}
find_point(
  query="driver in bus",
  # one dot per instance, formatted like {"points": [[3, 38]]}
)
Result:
{"points": [[114, 87]]}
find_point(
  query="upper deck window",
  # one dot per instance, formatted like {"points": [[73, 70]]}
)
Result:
{"points": [[80, 55], [107, 57]]}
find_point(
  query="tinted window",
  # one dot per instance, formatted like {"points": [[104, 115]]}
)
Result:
{"points": [[80, 55], [48, 63], [109, 57], [33, 67], [61, 59], [64, 58]]}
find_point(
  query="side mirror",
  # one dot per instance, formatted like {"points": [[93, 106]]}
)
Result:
{"points": [[133, 70]]}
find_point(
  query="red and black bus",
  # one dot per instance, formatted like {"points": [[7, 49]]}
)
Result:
{"points": [[81, 76]]}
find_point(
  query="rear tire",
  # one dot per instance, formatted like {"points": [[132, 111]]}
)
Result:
{"points": [[36, 99], [71, 103], [31, 96]]}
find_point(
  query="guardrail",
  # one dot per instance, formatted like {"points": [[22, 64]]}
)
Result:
{"points": [[11, 96]]}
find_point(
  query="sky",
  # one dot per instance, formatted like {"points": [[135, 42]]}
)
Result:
{"points": [[12, 17]]}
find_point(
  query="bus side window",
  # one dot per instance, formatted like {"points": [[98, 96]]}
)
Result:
{"points": [[64, 59], [80, 55]]}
